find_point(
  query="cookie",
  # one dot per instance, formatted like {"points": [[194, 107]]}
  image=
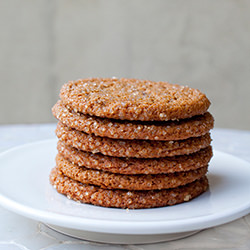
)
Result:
{"points": [[132, 99], [123, 165], [124, 198], [130, 148], [164, 130], [109, 180]]}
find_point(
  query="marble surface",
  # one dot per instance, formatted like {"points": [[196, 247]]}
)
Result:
{"points": [[20, 233]]}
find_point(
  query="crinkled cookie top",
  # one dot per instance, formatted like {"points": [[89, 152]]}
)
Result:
{"points": [[133, 99]]}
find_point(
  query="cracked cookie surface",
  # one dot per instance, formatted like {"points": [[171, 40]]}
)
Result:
{"points": [[133, 99]]}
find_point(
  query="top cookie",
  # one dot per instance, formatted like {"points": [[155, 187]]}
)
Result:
{"points": [[132, 99]]}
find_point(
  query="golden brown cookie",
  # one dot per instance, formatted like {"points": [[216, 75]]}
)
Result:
{"points": [[123, 165], [132, 99], [125, 198], [109, 180], [130, 148], [120, 129]]}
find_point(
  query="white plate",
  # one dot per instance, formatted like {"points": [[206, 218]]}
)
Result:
{"points": [[25, 189]]}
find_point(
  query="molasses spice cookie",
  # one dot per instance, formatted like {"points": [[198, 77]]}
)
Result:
{"points": [[130, 143], [120, 129], [125, 198], [125, 165], [130, 148], [109, 180], [132, 99]]}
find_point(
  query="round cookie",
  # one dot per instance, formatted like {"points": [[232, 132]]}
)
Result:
{"points": [[109, 180], [123, 165], [124, 198], [130, 148], [166, 130], [132, 99]]}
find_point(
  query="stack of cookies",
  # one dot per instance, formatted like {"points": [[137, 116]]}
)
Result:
{"points": [[131, 143]]}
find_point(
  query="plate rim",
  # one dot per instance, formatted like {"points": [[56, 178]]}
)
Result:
{"points": [[106, 226]]}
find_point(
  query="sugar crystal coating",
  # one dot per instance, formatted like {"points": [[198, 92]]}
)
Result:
{"points": [[170, 130], [133, 199], [124, 165], [130, 148], [133, 99], [130, 143], [109, 180]]}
